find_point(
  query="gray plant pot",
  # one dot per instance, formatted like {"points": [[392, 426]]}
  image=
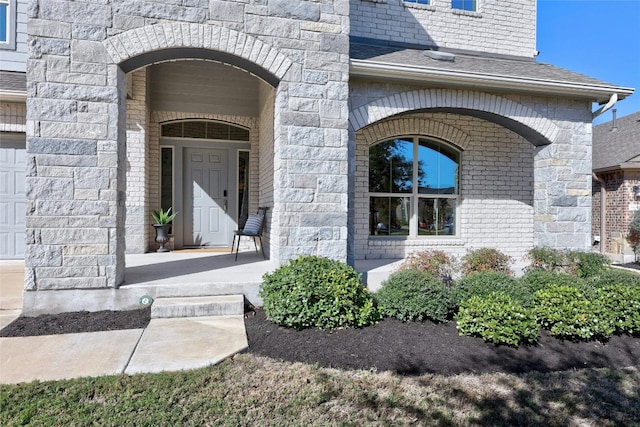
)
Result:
{"points": [[162, 236]]}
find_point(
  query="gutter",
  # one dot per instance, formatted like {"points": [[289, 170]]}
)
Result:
{"points": [[603, 213], [612, 101], [621, 166], [13, 96], [601, 93]]}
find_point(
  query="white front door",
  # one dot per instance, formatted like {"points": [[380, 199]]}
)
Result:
{"points": [[207, 198]]}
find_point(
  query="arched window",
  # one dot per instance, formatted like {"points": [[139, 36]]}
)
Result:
{"points": [[205, 129], [413, 187]]}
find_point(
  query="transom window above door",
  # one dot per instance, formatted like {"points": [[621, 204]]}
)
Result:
{"points": [[205, 129], [413, 188]]}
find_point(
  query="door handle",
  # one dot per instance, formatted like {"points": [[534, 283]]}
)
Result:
{"points": [[225, 205]]}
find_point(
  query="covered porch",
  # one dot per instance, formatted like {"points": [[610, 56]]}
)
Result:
{"points": [[185, 273]]}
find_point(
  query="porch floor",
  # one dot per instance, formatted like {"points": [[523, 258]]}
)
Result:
{"points": [[215, 272]]}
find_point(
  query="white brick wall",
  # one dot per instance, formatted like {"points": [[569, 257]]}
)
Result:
{"points": [[505, 26], [136, 229], [262, 159]]}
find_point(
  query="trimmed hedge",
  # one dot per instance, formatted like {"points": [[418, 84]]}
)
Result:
{"points": [[497, 318], [315, 291], [624, 302], [614, 276], [483, 284], [413, 294], [539, 279], [569, 312]]}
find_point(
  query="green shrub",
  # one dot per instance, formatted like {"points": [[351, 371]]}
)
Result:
{"points": [[485, 259], [575, 263], [415, 295], [483, 284], [569, 312], [539, 279], [589, 264], [314, 291], [435, 262], [547, 259], [624, 302], [614, 276], [497, 318]]}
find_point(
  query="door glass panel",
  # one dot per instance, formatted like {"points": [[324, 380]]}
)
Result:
{"points": [[391, 167], [166, 178], [243, 187], [389, 216]]}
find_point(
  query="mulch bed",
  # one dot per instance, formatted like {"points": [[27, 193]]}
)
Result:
{"points": [[404, 348], [76, 322], [417, 348], [631, 265]]}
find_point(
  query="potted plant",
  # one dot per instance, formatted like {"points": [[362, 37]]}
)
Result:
{"points": [[162, 224]]}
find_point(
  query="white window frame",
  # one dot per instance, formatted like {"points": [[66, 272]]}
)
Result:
{"points": [[415, 194], [476, 9], [10, 43], [419, 2]]}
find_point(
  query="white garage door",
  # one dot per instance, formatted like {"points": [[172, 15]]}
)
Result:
{"points": [[12, 196]]}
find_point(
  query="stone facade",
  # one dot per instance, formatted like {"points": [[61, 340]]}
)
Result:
{"points": [[76, 178], [94, 136]]}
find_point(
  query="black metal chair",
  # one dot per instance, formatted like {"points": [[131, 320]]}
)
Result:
{"points": [[253, 228]]}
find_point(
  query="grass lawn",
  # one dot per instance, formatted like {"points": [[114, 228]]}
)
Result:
{"points": [[250, 390]]}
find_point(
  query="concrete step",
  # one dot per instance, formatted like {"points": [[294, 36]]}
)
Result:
{"points": [[218, 305]]}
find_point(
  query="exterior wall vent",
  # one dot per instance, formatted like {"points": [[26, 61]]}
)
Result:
{"points": [[440, 56]]}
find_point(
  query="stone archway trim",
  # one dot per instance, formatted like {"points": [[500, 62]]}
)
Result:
{"points": [[129, 44], [455, 99], [387, 129]]}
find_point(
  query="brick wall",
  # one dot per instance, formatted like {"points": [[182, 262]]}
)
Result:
{"points": [[620, 201], [137, 230], [505, 27]]}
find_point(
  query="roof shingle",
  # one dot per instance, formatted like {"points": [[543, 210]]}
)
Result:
{"points": [[613, 148]]}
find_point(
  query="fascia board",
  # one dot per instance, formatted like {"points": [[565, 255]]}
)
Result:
{"points": [[598, 93], [13, 96]]}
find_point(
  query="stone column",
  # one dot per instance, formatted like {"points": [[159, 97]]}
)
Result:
{"points": [[75, 147], [562, 190], [311, 156]]}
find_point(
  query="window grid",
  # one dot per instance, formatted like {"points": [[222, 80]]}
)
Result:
{"points": [[469, 5]]}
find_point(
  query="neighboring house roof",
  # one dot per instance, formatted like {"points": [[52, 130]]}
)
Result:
{"points": [[477, 70], [619, 147]]}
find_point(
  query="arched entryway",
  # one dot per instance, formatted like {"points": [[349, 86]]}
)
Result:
{"points": [[509, 174]]}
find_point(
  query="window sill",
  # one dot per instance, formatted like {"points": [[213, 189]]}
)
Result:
{"points": [[469, 13], [409, 5], [420, 241]]}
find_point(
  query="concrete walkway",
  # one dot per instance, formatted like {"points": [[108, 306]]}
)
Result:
{"points": [[165, 345]]}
